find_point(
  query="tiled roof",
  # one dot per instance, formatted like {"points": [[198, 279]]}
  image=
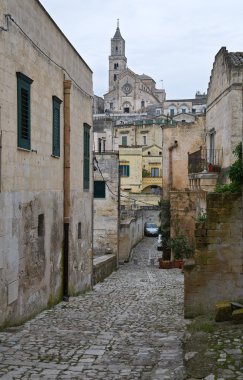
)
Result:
{"points": [[236, 58]]}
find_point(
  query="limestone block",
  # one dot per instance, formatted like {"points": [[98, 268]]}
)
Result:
{"points": [[223, 311], [237, 316]]}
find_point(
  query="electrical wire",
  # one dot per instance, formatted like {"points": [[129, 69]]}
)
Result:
{"points": [[116, 195], [49, 58]]}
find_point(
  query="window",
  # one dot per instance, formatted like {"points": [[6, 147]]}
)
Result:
{"points": [[115, 76], [154, 172], [79, 230], [56, 126], [99, 189], [193, 110], [172, 112], [41, 226], [86, 149], [124, 170], [23, 106], [111, 106], [183, 110], [124, 140], [99, 145], [158, 111], [126, 110], [144, 140], [104, 141], [142, 103], [116, 66]]}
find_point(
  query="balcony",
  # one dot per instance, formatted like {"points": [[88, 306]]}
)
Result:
{"points": [[205, 161], [204, 166]]}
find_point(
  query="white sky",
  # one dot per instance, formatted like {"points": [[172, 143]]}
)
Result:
{"points": [[174, 41]]}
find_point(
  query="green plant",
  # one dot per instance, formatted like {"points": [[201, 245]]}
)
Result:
{"points": [[145, 173], [236, 169], [235, 174], [181, 247], [202, 216]]}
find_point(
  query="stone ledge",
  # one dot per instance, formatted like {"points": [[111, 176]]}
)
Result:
{"points": [[103, 266]]}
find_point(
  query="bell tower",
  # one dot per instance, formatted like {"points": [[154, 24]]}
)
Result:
{"points": [[117, 59]]}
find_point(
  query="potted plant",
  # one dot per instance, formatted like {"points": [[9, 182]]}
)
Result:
{"points": [[181, 249]]}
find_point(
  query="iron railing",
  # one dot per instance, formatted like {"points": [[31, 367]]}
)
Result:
{"points": [[205, 160]]}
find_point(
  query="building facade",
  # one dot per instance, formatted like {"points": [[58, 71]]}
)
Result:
{"points": [[45, 163]]}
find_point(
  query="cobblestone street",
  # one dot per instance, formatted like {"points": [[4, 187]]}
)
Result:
{"points": [[129, 327]]}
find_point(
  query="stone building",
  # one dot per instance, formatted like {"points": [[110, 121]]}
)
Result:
{"points": [[197, 105], [224, 105], [128, 91], [45, 163]]}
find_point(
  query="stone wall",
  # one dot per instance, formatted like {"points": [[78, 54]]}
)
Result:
{"points": [[183, 210], [216, 273], [189, 137], [106, 210], [131, 232]]}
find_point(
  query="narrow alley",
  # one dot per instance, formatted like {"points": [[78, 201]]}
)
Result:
{"points": [[129, 327]]}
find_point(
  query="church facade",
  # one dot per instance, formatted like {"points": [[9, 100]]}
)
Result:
{"points": [[128, 91]]}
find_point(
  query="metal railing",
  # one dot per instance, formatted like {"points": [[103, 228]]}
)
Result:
{"points": [[205, 160]]}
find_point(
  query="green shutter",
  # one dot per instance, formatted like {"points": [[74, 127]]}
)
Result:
{"points": [[23, 109], [99, 189], [56, 126], [86, 150]]}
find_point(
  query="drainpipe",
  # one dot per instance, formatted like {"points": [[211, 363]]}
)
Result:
{"points": [[66, 212], [170, 180]]}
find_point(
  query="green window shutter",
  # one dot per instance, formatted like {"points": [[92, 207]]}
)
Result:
{"points": [[56, 126], [124, 140], [23, 109], [128, 171], [124, 170], [86, 149], [99, 189]]}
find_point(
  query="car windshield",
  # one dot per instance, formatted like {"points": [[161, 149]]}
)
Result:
{"points": [[151, 225]]}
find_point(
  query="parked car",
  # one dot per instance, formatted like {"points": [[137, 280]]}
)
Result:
{"points": [[159, 243], [151, 229]]}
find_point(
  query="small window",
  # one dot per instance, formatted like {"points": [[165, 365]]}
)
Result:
{"points": [[124, 140], [144, 140], [142, 103], [99, 189], [23, 106], [193, 110], [149, 153], [183, 110], [115, 77], [126, 110], [172, 112], [56, 126], [86, 156], [79, 230], [154, 172], [111, 106], [124, 170], [41, 228]]}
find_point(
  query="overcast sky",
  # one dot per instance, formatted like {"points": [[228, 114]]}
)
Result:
{"points": [[171, 41]]}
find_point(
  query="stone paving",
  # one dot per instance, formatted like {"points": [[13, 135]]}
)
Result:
{"points": [[129, 327]]}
